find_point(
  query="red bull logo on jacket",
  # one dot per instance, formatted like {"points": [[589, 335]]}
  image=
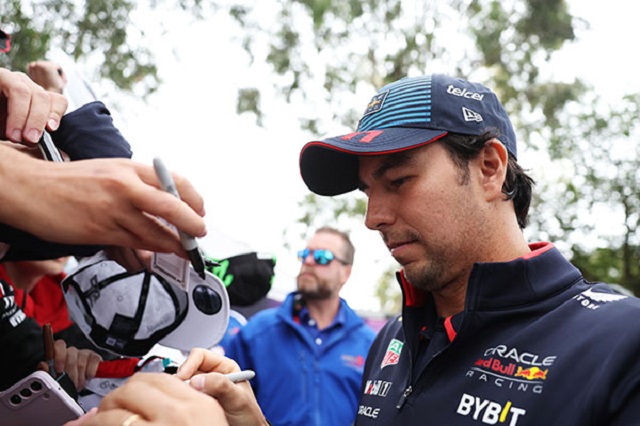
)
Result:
{"points": [[392, 356], [532, 373], [510, 368]]}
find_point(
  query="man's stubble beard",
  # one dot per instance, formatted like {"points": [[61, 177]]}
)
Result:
{"points": [[428, 277], [320, 290]]}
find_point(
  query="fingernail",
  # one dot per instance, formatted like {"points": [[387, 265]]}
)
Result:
{"points": [[16, 136], [53, 124], [33, 135], [197, 382]]}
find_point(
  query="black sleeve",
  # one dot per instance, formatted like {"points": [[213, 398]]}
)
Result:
{"points": [[25, 246], [20, 339], [87, 132]]}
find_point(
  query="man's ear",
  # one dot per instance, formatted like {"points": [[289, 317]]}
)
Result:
{"points": [[346, 273], [493, 161]]}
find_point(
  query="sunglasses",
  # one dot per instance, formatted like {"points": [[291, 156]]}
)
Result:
{"points": [[320, 257]]}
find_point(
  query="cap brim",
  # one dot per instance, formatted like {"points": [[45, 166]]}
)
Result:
{"points": [[330, 166], [201, 329]]}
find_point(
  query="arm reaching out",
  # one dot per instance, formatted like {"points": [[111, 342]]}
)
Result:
{"points": [[102, 201]]}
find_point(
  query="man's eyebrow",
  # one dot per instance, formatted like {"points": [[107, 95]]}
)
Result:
{"points": [[392, 161]]}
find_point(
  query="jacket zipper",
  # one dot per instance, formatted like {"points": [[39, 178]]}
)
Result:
{"points": [[404, 396]]}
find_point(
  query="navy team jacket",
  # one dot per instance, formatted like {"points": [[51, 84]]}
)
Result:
{"points": [[535, 345]]}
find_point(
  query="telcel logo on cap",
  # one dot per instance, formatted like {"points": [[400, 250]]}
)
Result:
{"points": [[452, 90]]}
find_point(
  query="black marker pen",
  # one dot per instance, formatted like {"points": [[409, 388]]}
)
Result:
{"points": [[188, 242]]}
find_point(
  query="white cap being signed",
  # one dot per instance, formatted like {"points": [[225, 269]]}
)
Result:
{"points": [[128, 313]]}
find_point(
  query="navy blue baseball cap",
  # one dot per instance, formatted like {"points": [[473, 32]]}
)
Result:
{"points": [[408, 113]]}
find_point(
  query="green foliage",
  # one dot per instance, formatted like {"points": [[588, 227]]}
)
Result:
{"points": [[341, 211], [97, 31], [593, 207], [30, 41], [349, 44], [550, 21], [610, 265], [249, 101], [388, 293]]}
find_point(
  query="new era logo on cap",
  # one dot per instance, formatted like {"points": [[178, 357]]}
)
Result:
{"points": [[470, 115]]}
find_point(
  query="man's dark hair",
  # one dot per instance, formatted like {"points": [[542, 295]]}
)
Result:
{"points": [[518, 186]]}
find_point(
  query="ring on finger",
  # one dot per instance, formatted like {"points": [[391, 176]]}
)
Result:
{"points": [[130, 420]]}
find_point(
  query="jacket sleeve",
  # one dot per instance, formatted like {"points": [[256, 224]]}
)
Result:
{"points": [[238, 350], [25, 246], [87, 132], [20, 340], [630, 412]]}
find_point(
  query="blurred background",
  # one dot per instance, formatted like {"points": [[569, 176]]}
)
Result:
{"points": [[227, 92]]}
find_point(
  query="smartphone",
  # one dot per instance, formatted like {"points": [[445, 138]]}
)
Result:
{"points": [[35, 400], [49, 150]]}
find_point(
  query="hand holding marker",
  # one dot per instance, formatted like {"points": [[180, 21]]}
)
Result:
{"points": [[188, 242]]}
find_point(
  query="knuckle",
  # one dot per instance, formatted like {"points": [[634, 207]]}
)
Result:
{"points": [[20, 90]]}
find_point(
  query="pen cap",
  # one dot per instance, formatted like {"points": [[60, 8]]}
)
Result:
{"points": [[128, 313]]}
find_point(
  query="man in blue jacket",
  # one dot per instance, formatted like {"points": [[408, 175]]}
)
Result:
{"points": [[308, 354]]}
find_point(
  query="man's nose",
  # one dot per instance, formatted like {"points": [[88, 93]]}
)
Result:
{"points": [[378, 213]]}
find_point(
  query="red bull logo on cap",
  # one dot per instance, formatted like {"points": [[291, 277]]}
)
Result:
{"points": [[376, 103]]}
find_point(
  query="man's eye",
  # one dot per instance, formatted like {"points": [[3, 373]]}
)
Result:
{"points": [[398, 182]]}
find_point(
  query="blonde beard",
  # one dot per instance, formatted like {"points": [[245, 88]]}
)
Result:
{"points": [[318, 291]]}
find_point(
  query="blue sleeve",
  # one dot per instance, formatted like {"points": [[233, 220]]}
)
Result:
{"points": [[238, 350], [235, 350]]}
